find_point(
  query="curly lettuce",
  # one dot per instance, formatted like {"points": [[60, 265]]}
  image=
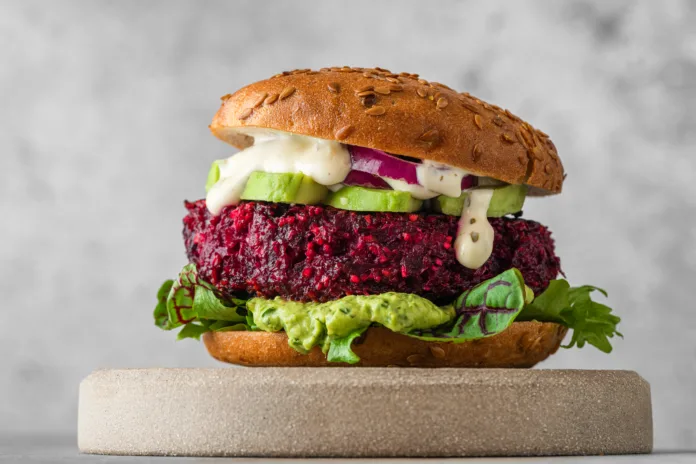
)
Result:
{"points": [[591, 322]]}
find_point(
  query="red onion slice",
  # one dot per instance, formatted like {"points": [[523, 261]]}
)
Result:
{"points": [[379, 163], [469, 182], [363, 179]]}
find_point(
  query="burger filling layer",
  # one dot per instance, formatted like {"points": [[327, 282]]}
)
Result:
{"points": [[322, 240], [328, 164]]}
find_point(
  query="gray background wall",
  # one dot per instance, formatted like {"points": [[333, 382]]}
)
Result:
{"points": [[104, 109]]}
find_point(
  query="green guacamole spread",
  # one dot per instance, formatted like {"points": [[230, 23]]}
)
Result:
{"points": [[311, 324]]}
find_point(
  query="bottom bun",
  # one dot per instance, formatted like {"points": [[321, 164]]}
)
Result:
{"points": [[523, 344]]}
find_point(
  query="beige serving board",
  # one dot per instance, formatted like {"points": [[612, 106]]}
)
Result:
{"points": [[363, 412]]}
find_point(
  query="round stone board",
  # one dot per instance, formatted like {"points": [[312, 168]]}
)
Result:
{"points": [[363, 412]]}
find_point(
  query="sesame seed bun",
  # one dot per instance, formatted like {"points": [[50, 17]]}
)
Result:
{"points": [[523, 344], [397, 113]]}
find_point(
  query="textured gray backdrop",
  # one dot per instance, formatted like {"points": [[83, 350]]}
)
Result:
{"points": [[104, 108]]}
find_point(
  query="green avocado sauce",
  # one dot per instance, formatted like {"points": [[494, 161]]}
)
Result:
{"points": [[311, 324]]}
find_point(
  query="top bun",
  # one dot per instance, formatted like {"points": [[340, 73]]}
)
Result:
{"points": [[396, 113]]}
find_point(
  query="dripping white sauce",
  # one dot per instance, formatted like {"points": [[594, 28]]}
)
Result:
{"points": [[474, 243]]}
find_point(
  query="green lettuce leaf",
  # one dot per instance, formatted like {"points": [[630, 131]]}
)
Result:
{"points": [[161, 315], [339, 348], [485, 310], [194, 304], [591, 322], [192, 330]]}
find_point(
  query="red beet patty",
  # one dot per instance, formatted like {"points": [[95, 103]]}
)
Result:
{"points": [[316, 253]]}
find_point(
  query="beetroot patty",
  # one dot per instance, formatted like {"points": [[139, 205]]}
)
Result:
{"points": [[306, 253]]}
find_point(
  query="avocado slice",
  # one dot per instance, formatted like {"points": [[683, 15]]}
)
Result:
{"points": [[283, 188], [366, 199], [506, 200], [213, 174]]}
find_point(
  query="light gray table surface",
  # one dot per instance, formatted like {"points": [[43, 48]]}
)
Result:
{"points": [[44, 449]]}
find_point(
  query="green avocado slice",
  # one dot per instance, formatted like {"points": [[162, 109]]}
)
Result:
{"points": [[506, 200], [213, 174], [366, 199], [283, 188]]}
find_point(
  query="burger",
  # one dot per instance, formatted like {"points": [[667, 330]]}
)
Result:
{"points": [[375, 219]]}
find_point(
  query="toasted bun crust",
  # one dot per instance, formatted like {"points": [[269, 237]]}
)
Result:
{"points": [[522, 345], [396, 113]]}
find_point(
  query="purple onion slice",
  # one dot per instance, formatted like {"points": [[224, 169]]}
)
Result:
{"points": [[364, 179], [381, 164]]}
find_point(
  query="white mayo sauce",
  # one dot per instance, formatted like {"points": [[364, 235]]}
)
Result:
{"points": [[325, 161], [474, 243], [433, 179]]}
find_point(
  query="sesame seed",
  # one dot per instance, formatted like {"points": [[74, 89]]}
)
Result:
{"points": [[437, 351], [333, 87], [287, 91], [470, 107], [245, 113], [477, 121], [382, 90], [430, 136], [271, 99], [442, 102], [376, 111], [259, 101], [344, 132], [422, 92], [476, 152]]}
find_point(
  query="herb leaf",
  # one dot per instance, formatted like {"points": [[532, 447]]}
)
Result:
{"points": [[195, 304], [573, 307], [485, 310], [160, 314], [339, 349]]}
